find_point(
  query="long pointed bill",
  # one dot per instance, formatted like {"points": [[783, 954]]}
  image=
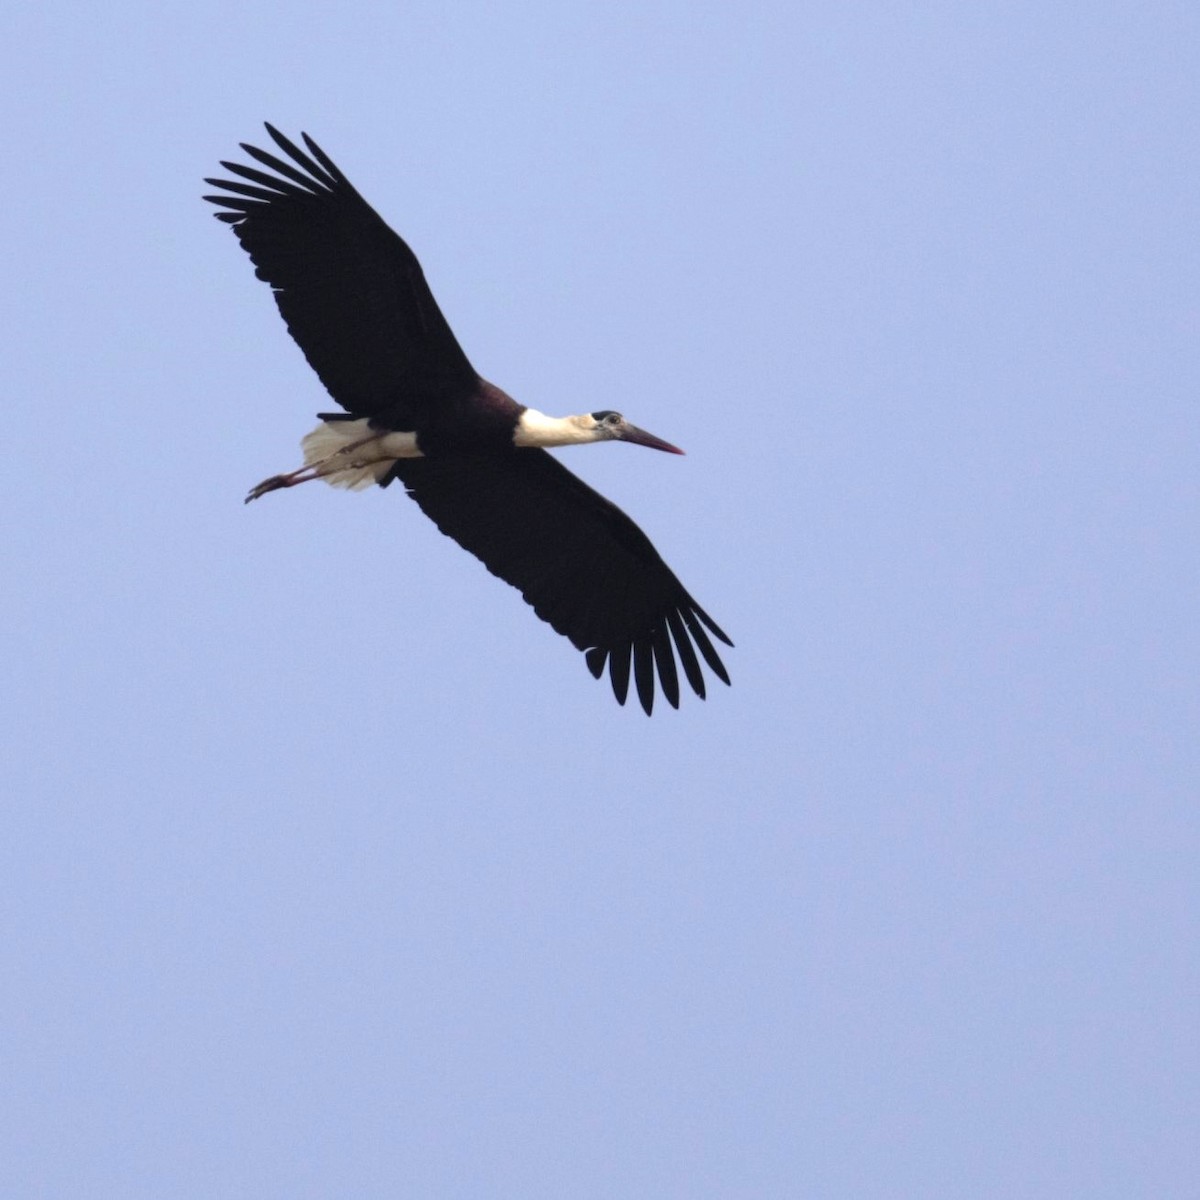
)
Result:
{"points": [[639, 437]]}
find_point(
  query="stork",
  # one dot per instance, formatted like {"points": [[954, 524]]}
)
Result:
{"points": [[355, 300]]}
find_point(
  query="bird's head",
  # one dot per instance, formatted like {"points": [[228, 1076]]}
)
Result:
{"points": [[607, 425]]}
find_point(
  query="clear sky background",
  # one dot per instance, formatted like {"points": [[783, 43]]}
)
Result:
{"points": [[326, 868]]}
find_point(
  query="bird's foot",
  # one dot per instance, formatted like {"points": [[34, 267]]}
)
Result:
{"points": [[280, 481]]}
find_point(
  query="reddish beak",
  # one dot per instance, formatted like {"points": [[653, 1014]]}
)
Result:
{"points": [[639, 437]]}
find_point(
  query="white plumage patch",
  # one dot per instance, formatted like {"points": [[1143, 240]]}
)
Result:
{"points": [[537, 429], [349, 454]]}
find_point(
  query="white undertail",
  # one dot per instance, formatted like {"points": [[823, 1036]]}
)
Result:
{"points": [[350, 454]]}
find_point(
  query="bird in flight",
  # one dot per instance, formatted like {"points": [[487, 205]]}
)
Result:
{"points": [[355, 300]]}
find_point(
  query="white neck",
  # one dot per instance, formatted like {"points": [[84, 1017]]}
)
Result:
{"points": [[537, 429]]}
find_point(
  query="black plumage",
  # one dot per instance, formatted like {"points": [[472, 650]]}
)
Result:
{"points": [[355, 299]]}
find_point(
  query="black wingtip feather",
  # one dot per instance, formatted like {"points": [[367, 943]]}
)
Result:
{"points": [[643, 673], [244, 189], [297, 155], [713, 627], [687, 656], [278, 187], [312, 184], [664, 658], [618, 671], [323, 159], [705, 646]]}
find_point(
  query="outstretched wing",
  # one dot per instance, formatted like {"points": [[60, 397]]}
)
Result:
{"points": [[351, 291], [582, 564]]}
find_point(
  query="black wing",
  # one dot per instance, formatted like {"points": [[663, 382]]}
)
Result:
{"points": [[582, 564], [351, 291]]}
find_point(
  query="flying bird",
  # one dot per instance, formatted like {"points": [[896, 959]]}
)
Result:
{"points": [[355, 300]]}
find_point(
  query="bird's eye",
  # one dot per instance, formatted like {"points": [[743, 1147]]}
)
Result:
{"points": [[613, 419]]}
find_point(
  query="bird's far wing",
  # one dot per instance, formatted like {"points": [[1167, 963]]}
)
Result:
{"points": [[351, 291], [582, 564]]}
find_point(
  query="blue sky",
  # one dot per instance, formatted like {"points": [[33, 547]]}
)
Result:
{"points": [[327, 868]]}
